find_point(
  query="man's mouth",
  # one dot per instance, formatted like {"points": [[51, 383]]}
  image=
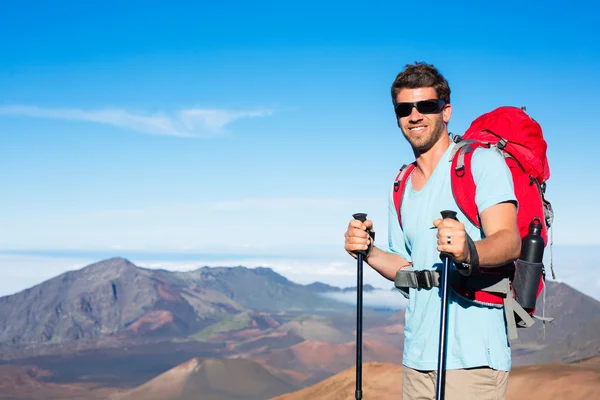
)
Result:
{"points": [[417, 128]]}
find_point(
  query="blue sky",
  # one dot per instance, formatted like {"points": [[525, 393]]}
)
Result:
{"points": [[181, 133]]}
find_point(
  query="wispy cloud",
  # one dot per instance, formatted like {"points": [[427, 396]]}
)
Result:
{"points": [[194, 122]]}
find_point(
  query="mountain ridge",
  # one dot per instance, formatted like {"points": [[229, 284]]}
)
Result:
{"points": [[114, 298]]}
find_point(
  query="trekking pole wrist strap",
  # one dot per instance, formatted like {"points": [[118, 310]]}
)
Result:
{"points": [[473, 265], [473, 255], [371, 233]]}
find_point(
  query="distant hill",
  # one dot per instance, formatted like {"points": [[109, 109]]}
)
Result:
{"points": [[211, 379], [571, 336], [319, 359], [318, 328], [319, 287]]}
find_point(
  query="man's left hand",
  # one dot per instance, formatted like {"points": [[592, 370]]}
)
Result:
{"points": [[450, 230]]}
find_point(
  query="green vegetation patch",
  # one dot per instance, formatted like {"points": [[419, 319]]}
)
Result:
{"points": [[232, 323]]}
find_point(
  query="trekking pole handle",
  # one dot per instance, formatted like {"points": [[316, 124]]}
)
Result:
{"points": [[362, 217], [449, 214], [452, 215], [462, 268]]}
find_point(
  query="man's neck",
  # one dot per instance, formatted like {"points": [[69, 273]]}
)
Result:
{"points": [[428, 160]]}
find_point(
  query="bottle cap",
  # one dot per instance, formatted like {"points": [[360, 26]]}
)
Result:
{"points": [[535, 227]]}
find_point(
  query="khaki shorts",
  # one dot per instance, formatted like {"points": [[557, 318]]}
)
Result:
{"points": [[462, 384]]}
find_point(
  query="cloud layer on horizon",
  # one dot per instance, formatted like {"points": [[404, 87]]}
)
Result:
{"points": [[573, 265]]}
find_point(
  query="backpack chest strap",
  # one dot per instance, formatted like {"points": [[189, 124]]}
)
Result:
{"points": [[408, 277], [423, 279], [426, 279]]}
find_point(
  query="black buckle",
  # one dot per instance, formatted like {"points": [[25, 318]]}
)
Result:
{"points": [[424, 279], [502, 143]]}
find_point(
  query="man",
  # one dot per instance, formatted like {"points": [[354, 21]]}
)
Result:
{"points": [[478, 351]]}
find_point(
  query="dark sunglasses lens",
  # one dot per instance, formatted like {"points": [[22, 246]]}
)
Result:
{"points": [[403, 109], [427, 107]]}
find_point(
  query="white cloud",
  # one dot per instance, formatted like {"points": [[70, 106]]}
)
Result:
{"points": [[183, 123], [215, 120]]}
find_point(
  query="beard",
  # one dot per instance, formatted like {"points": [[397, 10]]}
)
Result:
{"points": [[425, 143]]}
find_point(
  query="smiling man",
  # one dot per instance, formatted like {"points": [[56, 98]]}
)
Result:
{"points": [[478, 351]]}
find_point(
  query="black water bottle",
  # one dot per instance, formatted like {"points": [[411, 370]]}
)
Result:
{"points": [[530, 266], [532, 247]]}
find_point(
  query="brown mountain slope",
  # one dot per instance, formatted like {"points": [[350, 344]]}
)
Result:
{"points": [[542, 382], [227, 379], [263, 343], [317, 328], [26, 383], [320, 360]]}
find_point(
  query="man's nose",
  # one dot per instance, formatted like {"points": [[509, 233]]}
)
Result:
{"points": [[415, 115]]}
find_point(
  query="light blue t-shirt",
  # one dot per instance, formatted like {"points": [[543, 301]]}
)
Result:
{"points": [[476, 334]]}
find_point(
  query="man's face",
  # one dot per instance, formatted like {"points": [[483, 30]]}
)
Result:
{"points": [[422, 130]]}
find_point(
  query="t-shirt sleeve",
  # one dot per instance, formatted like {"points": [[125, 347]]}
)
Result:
{"points": [[396, 243], [493, 179]]}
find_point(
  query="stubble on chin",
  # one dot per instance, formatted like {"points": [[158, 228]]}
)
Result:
{"points": [[425, 144]]}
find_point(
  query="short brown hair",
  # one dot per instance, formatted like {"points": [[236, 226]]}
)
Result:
{"points": [[420, 75]]}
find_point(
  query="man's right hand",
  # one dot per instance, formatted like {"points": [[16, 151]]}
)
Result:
{"points": [[357, 236]]}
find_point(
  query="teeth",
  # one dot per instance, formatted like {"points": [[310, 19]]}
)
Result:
{"points": [[417, 128]]}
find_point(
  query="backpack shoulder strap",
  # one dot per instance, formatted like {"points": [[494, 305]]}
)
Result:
{"points": [[463, 184], [400, 186]]}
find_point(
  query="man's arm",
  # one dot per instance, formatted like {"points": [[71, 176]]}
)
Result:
{"points": [[386, 263], [502, 243]]}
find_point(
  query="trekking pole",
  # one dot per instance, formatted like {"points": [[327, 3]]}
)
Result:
{"points": [[441, 374], [359, 303]]}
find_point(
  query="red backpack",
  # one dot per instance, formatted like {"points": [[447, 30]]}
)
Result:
{"points": [[520, 140]]}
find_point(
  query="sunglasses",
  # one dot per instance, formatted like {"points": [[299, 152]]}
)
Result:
{"points": [[432, 106]]}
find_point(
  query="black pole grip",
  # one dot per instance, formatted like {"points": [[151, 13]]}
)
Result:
{"points": [[452, 215], [362, 217], [449, 214], [460, 266]]}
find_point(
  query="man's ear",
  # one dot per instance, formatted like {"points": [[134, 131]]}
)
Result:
{"points": [[447, 113]]}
